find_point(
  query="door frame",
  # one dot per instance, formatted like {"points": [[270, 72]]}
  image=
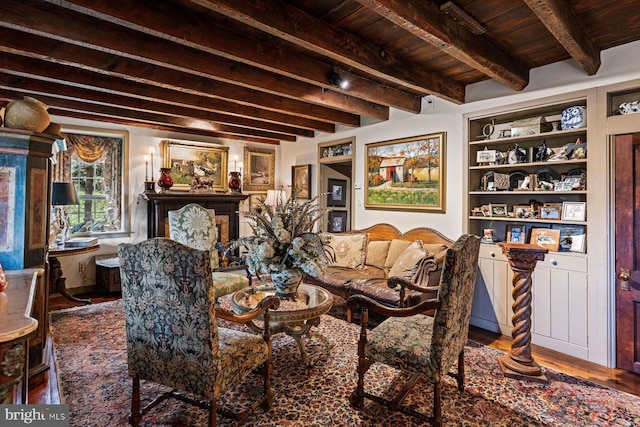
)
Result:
{"points": [[341, 167], [613, 125]]}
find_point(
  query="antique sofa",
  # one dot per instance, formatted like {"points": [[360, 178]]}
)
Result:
{"points": [[366, 258]]}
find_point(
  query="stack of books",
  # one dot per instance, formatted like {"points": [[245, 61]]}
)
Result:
{"points": [[80, 242]]}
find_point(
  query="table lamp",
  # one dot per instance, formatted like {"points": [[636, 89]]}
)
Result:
{"points": [[63, 194]]}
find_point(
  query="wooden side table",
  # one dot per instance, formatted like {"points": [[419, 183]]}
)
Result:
{"points": [[519, 363], [58, 283], [16, 328]]}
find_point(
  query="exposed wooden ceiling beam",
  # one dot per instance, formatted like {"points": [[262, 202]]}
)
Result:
{"points": [[42, 88], [141, 117], [287, 22], [425, 20], [30, 45], [197, 31], [49, 77], [151, 53], [561, 21]]}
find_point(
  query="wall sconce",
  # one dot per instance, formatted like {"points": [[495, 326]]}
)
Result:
{"points": [[336, 80]]}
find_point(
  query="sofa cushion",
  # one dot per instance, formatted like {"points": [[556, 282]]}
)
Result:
{"points": [[407, 263], [396, 248], [377, 253], [434, 248], [337, 279], [350, 250], [381, 292]]}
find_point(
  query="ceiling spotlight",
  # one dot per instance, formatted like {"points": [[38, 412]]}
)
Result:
{"points": [[336, 80]]}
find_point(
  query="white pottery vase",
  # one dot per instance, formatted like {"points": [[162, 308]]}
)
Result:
{"points": [[286, 283], [28, 114]]}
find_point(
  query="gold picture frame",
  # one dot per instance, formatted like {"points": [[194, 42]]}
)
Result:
{"points": [[260, 166], [407, 174], [189, 160], [301, 180]]}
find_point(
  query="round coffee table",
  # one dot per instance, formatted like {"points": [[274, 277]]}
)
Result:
{"points": [[294, 318]]}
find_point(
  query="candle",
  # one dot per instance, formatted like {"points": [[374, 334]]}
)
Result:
{"points": [[235, 162], [146, 158], [151, 152]]}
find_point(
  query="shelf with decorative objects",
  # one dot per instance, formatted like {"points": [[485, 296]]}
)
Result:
{"points": [[527, 182]]}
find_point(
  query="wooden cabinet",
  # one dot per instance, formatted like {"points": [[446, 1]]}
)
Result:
{"points": [[25, 189], [496, 188], [335, 172]]}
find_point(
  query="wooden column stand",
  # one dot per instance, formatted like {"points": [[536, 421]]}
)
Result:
{"points": [[519, 363]]}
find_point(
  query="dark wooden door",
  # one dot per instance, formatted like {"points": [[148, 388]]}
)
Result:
{"points": [[627, 216]]}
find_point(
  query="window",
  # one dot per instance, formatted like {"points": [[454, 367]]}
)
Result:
{"points": [[94, 161]]}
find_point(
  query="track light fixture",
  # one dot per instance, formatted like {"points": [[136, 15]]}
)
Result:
{"points": [[336, 80]]}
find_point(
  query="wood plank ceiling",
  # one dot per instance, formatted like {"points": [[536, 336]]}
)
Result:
{"points": [[259, 70]]}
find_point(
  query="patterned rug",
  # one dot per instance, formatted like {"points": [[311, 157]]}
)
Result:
{"points": [[90, 355]]}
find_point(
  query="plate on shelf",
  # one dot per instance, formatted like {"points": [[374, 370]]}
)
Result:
{"points": [[547, 174], [577, 172], [517, 177]]}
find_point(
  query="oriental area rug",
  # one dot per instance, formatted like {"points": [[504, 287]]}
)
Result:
{"points": [[91, 362]]}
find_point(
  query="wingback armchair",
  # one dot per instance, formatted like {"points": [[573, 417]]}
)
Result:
{"points": [[195, 226], [172, 333], [422, 345]]}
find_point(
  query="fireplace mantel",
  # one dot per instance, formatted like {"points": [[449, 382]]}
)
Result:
{"points": [[226, 206]]}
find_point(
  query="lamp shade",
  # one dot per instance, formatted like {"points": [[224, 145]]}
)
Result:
{"points": [[64, 193]]}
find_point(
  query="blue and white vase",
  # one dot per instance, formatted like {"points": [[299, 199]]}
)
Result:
{"points": [[574, 118]]}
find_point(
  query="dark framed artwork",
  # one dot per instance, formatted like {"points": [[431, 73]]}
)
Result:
{"points": [[406, 174], [337, 221], [260, 166], [337, 192], [301, 180], [188, 160]]}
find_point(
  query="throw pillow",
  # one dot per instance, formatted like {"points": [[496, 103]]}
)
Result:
{"points": [[349, 249], [395, 249], [434, 248], [406, 265], [377, 253]]}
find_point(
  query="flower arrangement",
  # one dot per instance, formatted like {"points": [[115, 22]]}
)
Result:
{"points": [[283, 237]]}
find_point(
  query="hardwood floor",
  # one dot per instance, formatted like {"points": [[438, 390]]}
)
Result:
{"points": [[47, 391]]}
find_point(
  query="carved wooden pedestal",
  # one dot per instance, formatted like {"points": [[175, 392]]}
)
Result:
{"points": [[519, 363]]}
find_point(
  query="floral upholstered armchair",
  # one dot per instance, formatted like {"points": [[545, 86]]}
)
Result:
{"points": [[422, 345], [172, 334], [195, 226]]}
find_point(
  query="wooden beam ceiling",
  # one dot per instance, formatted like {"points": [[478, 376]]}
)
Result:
{"points": [[259, 70]]}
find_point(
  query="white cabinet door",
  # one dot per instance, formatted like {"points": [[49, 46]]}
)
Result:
{"points": [[492, 297]]}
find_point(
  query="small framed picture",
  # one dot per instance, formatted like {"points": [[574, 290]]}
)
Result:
{"points": [[523, 211], [337, 192], [487, 235], [546, 237], [549, 212], [574, 211], [516, 233], [498, 209], [572, 238], [486, 156], [337, 221]]}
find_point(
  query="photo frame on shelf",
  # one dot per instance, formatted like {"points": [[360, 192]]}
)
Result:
{"points": [[337, 221], [260, 168], [574, 211], [406, 174], [337, 192], [301, 180], [523, 211], [549, 212], [190, 159], [498, 210], [516, 233], [546, 237], [572, 238]]}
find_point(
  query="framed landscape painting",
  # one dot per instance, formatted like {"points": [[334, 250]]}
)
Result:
{"points": [[406, 174], [260, 166], [190, 160]]}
